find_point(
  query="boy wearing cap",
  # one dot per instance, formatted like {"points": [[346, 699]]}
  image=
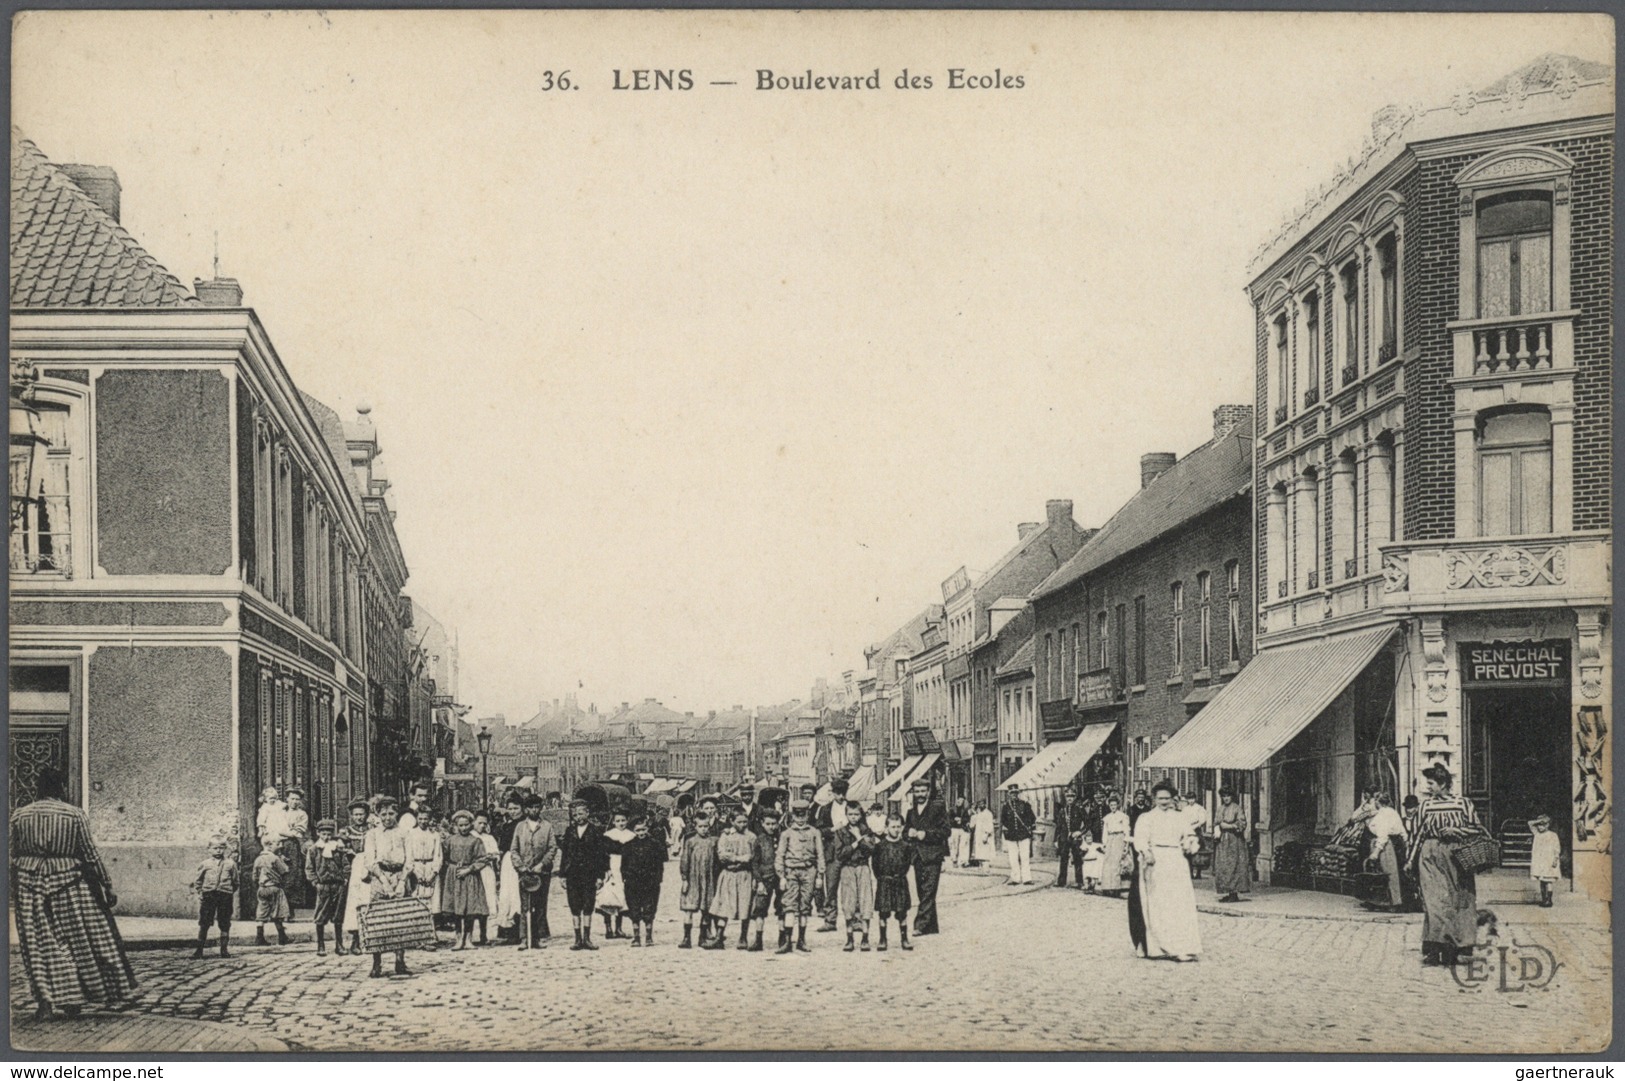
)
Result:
{"points": [[800, 865], [327, 867], [531, 856]]}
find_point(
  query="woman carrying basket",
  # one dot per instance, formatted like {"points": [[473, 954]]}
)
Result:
{"points": [[1449, 894]]}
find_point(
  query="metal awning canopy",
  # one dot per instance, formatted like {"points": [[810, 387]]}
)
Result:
{"points": [[1275, 697], [1058, 763]]}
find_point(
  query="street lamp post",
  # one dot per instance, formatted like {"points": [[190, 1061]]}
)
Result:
{"points": [[484, 739]]}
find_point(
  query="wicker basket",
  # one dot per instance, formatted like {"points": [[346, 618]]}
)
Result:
{"points": [[396, 923], [1477, 855]]}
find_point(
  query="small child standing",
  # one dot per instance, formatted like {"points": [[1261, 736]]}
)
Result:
{"points": [[800, 865], [854, 851], [216, 887], [270, 875], [736, 885], [766, 895], [698, 865], [643, 866], [611, 898], [327, 867], [892, 859], [1545, 858]]}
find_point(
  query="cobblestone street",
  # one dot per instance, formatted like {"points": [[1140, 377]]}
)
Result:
{"points": [[1013, 970]]}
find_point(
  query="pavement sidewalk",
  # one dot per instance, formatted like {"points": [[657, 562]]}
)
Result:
{"points": [[1506, 892], [135, 1033]]}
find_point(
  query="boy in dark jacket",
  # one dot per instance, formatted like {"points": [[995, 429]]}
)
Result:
{"points": [[583, 865], [643, 866], [768, 894]]}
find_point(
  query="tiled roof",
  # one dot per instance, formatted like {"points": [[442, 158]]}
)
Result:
{"points": [[332, 429], [1203, 479], [66, 252], [1021, 662]]}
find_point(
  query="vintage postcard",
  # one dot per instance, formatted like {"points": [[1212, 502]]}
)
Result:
{"points": [[611, 531]]}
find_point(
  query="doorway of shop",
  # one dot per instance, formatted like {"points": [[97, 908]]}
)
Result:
{"points": [[1518, 761]]}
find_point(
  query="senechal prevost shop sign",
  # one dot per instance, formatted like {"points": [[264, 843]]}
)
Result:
{"points": [[1515, 662]]}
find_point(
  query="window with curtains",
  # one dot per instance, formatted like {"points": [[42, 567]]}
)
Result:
{"points": [[1514, 232], [1515, 472], [1232, 577], [1176, 647], [1204, 592], [1049, 670], [1102, 639]]}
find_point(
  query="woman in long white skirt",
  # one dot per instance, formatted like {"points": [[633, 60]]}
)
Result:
{"points": [[1163, 837]]}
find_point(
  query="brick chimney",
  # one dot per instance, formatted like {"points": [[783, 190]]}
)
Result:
{"points": [[1227, 418], [218, 292], [100, 183], [1058, 512], [1155, 464], [1027, 529]]}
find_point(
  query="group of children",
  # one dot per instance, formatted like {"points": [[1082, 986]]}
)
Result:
{"points": [[448, 862], [750, 865], [746, 868]]}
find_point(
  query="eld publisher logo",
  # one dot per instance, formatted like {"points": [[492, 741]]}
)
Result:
{"points": [[1522, 966]]}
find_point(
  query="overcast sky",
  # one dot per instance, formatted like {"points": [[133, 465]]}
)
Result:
{"points": [[692, 395]]}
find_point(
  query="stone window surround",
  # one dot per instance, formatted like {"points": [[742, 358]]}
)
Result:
{"points": [[1321, 272], [1517, 168]]}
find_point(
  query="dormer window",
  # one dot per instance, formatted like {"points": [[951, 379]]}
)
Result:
{"points": [[1514, 232]]}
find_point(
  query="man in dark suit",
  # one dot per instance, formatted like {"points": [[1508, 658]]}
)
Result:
{"points": [[926, 827], [1071, 834], [583, 864]]}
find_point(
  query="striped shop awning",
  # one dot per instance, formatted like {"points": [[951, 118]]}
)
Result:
{"points": [[1276, 696], [1058, 763]]}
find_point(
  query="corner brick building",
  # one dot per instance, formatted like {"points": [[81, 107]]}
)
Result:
{"points": [[205, 583], [1432, 488]]}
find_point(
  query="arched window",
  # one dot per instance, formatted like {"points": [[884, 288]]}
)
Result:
{"points": [[1514, 472], [1514, 232]]}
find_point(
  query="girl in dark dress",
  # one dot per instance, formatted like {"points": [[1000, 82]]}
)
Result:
{"points": [[892, 859]]}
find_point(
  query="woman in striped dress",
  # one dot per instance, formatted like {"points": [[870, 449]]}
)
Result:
{"points": [[1449, 894], [63, 903]]}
